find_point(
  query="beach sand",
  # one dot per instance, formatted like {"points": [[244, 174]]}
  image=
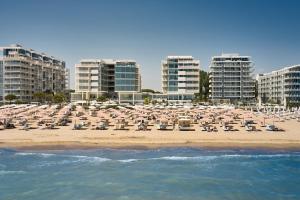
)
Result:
{"points": [[66, 138]]}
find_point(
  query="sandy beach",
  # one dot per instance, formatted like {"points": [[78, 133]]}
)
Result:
{"points": [[65, 137], [206, 128]]}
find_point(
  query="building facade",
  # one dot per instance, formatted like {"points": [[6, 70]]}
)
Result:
{"points": [[26, 72], [1, 81], [67, 78], [280, 87], [113, 78], [180, 77], [231, 78]]}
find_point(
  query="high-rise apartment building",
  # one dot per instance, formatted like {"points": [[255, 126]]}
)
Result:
{"points": [[96, 77], [67, 78], [280, 87], [180, 77], [231, 78], [26, 71], [1, 80]]}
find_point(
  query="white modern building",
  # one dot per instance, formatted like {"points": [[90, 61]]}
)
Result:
{"points": [[231, 78], [67, 78], [180, 78], [280, 87], [1, 80], [26, 71], [117, 79]]}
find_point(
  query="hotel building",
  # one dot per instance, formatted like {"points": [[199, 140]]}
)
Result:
{"points": [[26, 72], [280, 87], [180, 78], [1, 80], [118, 79], [231, 78], [67, 78]]}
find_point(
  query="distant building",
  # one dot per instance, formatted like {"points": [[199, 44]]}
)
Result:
{"points": [[118, 79], [1, 81], [67, 78], [26, 72], [231, 78], [280, 87], [180, 78]]}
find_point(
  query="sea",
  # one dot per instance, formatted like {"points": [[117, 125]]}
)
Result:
{"points": [[141, 174]]}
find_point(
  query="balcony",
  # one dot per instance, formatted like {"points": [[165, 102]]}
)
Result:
{"points": [[83, 72], [233, 80], [216, 75], [216, 86], [292, 89]]}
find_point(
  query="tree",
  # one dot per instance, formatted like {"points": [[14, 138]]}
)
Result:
{"points": [[39, 96], [148, 90], [48, 97], [203, 85], [59, 98], [154, 101], [146, 100], [10, 97], [18, 101], [102, 98]]}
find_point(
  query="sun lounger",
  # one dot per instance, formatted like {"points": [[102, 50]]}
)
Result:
{"points": [[271, 128]]}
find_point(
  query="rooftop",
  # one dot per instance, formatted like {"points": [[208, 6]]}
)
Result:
{"points": [[180, 57], [280, 70], [230, 55], [107, 61], [31, 51]]}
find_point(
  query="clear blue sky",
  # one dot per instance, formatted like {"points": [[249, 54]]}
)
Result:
{"points": [[149, 30]]}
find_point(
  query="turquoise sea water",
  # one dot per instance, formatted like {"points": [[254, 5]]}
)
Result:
{"points": [[171, 173]]}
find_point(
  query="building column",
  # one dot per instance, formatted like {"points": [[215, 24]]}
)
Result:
{"points": [[284, 102], [133, 98]]}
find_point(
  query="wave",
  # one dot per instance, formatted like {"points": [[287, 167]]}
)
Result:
{"points": [[229, 156], [129, 160], [72, 159], [90, 158], [4, 172], [184, 158], [44, 155], [259, 155]]}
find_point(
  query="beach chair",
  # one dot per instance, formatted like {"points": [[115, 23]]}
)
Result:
{"points": [[271, 128], [25, 127], [226, 128], [101, 126], [77, 127], [249, 127]]}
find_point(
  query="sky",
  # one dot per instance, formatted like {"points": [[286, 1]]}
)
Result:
{"points": [[149, 30]]}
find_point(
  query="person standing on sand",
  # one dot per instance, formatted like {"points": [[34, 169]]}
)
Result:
{"points": [[173, 125]]}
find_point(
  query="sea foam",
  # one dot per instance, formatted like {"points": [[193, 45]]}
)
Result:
{"points": [[44, 155], [5, 172]]}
